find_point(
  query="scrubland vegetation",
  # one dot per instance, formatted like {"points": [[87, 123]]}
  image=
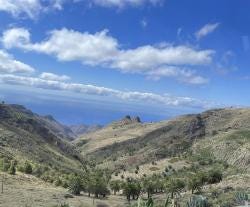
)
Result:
{"points": [[189, 161]]}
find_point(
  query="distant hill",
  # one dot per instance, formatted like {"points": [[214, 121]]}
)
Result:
{"points": [[82, 129], [25, 135], [224, 132]]}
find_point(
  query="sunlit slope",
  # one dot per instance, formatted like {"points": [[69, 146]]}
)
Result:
{"points": [[137, 143]]}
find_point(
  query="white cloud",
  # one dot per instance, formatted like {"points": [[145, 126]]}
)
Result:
{"points": [[67, 45], [181, 74], [17, 7], [101, 49], [206, 29], [16, 37], [149, 57], [30, 8], [9, 65], [134, 96], [124, 3], [54, 77]]}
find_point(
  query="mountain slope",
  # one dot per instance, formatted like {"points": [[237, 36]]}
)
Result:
{"points": [[82, 129], [28, 136], [116, 132], [137, 143], [59, 129]]}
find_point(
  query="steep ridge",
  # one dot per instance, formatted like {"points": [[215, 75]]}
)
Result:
{"points": [[59, 129], [28, 136]]}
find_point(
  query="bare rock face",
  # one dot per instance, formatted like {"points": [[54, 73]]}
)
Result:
{"points": [[127, 120], [137, 119]]}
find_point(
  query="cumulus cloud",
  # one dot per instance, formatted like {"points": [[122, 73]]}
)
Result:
{"points": [[67, 45], [134, 96], [9, 65], [101, 49], [206, 29], [54, 77], [149, 57]]}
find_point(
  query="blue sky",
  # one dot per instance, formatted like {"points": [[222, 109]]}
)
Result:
{"points": [[94, 61]]}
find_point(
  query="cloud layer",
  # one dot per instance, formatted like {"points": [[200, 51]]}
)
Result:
{"points": [[135, 96], [101, 49], [124, 3], [54, 77]]}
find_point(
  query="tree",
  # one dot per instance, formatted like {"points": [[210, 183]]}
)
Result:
{"points": [[12, 169], [96, 183], [75, 185], [174, 186], [148, 186], [132, 188], [115, 186]]}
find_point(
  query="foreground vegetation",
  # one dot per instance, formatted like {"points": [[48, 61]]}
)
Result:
{"points": [[188, 186]]}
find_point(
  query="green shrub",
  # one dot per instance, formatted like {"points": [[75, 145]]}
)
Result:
{"points": [[26, 168], [75, 185], [214, 176]]}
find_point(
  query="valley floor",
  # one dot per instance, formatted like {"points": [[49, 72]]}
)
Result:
{"points": [[27, 191]]}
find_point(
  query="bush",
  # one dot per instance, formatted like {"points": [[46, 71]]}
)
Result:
{"points": [[214, 176], [58, 182], [27, 168], [5, 164]]}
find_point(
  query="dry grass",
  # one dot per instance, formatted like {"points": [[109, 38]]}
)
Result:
{"points": [[115, 134], [28, 191]]}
